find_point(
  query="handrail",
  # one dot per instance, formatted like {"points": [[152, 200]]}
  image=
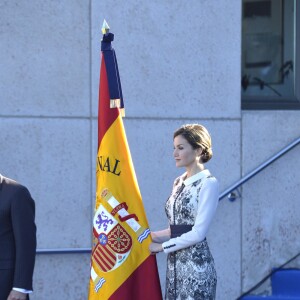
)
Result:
{"points": [[224, 194], [63, 250], [260, 168], [274, 270]]}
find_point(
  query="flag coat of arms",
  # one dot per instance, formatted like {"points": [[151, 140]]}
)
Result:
{"points": [[121, 264]]}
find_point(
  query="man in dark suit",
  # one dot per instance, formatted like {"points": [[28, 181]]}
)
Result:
{"points": [[17, 240]]}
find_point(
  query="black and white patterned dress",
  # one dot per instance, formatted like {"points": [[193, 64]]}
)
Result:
{"points": [[191, 271]]}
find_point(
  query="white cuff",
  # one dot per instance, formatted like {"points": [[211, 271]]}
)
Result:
{"points": [[22, 290]]}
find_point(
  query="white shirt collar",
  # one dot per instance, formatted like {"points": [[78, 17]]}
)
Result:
{"points": [[196, 177]]}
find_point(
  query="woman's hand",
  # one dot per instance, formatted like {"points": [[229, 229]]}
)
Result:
{"points": [[155, 248]]}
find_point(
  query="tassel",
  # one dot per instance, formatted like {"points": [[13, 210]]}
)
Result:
{"points": [[122, 112]]}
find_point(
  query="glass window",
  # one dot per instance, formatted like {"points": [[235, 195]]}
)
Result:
{"points": [[269, 70]]}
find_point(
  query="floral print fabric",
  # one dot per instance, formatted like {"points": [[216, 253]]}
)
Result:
{"points": [[191, 272]]}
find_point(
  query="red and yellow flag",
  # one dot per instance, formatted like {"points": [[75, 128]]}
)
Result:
{"points": [[121, 265]]}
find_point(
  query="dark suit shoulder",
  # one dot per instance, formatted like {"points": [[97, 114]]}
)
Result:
{"points": [[14, 192], [14, 186], [19, 210]]}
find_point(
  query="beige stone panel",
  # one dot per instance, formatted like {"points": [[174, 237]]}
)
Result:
{"points": [[52, 158], [61, 276], [45, 58], [270, 209], [175, 59]]}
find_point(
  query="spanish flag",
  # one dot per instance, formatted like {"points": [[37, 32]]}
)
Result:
{"points": [[121, 265]]}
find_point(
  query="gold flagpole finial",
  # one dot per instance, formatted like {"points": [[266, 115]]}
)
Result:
{"points": [[105, 27]]}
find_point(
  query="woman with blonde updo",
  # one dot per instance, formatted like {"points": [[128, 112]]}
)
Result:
{"points": [[190, 208]]}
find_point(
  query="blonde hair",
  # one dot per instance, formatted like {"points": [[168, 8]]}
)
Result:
{"points": [[198, 137]]}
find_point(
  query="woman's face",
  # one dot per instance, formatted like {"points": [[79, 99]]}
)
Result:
{"points": [[184, 154]]}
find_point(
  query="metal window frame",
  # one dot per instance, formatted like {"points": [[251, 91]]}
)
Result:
{"points": [[282, 103]]}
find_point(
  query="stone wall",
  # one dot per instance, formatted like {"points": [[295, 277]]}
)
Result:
{"points": [[179, 63]]}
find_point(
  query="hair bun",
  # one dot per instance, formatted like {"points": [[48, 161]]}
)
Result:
{"points": [[206, 155]]}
